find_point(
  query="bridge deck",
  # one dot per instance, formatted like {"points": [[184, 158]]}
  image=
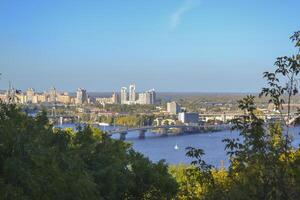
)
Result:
{"points": [[165, 127]]}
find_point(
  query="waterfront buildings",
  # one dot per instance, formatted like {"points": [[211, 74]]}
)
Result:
{"points": [[173, 108], [188, 117]]}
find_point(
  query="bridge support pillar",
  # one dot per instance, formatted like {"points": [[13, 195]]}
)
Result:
{"points": [[123, 136], [61, 120], [181, 131], [163, 131], [142, 134]]}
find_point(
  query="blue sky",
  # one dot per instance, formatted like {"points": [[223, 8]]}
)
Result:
{"points": [[169, 45]]}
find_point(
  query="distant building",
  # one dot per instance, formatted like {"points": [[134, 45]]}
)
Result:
{"points": [[148, 97], [104, 100], [124, 95], [81, 96], [42, 97], [132, 95], [191, 117], [115, 98], [142, 98], [20, 98], [30, 95], [64, 98], [52, 95], [152, 94], [35, 99], [173, 108]]}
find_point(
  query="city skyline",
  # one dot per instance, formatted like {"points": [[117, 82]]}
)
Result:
{"points": [[184, 46], [80, 97], [10, 85]]}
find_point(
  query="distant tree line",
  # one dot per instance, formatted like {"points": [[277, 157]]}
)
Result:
{"points": [[128, 120], [129, 109]]}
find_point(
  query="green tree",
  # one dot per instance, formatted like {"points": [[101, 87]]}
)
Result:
{"points": [[40, 162], [263, 164]]}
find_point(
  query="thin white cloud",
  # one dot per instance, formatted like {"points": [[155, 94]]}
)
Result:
{"points": [[176, 17]]}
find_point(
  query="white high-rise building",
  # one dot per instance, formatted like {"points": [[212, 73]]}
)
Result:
{"points": [[124, 95], [81, 96], [142, 98], [173, 108], [29, 95], [52, 95], [148, 97], [132, 95]]}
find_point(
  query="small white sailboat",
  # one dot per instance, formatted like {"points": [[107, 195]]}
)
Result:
{"points": [[103, 124], [176, 147]]}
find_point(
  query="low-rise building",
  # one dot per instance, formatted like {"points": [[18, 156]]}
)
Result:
{"points": [[64, 98], [105, 100], [39, 98], [188, 117]]}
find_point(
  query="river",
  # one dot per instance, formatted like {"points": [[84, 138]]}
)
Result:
{"points": [[156, 147]]}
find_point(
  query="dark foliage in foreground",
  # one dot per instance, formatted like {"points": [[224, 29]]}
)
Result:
{"points": [[39, 162]]}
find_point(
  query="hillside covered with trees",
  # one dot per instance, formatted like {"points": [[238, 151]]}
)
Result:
{"points": [[39, 162]]}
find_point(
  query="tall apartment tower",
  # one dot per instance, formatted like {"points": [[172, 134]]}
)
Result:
{"points": [[29, 95], [173, 108], [132, 95], [115, 98], [52, 95], [142, 98], [124, 95], [152, 96], [148, 97], [81, 96]]}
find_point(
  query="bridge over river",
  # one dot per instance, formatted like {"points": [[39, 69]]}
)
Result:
{"points": [[164, 130]]}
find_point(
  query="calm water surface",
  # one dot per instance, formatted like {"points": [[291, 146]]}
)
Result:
{"points": [[156, 147]]}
